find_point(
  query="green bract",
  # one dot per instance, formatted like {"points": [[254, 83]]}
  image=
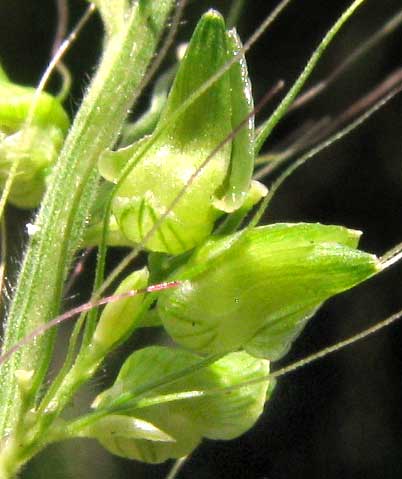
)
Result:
{"points": [[34, 146], [183, 144], [180, 424], [256, 289]]}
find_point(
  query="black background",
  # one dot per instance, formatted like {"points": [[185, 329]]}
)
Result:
{"points": [[341, 416]]}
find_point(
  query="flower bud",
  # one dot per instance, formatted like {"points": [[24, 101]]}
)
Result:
{"points": [[256, 289], [34, 146], [183, 145], [24, 379], [118, 318], [183, 422]]}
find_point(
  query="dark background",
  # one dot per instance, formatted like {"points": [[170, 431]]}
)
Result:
{"points": [[341, 416]]}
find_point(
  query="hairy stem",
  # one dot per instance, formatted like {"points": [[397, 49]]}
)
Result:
{"points": [[66, 205]]}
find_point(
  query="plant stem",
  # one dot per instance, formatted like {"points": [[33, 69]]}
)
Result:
{"points": [[66, 205]]}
